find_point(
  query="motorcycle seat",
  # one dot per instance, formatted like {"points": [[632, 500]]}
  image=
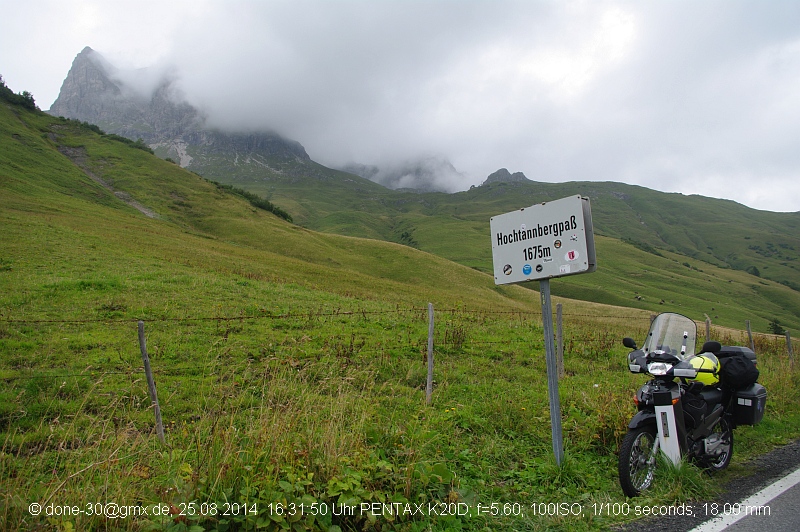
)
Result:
{"points": [[712, 395]]}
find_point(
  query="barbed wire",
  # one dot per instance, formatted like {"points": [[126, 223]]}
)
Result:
{"points": [[265, 315], [184, 371], [67, 375], [361, 350], [179, 371], [303, 315]]}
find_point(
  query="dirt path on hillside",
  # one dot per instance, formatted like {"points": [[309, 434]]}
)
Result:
{"points": [[78, 158]]}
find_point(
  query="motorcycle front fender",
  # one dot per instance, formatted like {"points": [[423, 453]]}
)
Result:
{"points": [[642, 418]]}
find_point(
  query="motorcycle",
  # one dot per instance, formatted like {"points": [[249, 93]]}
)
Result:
{"points": [[690, 406]]}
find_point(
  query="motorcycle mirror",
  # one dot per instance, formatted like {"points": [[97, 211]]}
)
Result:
{"points": [[630, 343], [711, 347]]}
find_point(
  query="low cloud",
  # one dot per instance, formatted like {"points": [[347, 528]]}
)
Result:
{"points": [[426, 173], [695, 97], [143, 82]]}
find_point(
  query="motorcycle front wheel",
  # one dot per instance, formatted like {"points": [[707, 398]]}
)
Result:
{"points": [[637, 460]]}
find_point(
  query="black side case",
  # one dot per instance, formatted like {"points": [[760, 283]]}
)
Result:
{"points": [[749, 405]]}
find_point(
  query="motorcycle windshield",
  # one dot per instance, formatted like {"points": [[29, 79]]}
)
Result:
{"points": [[672, 334]]}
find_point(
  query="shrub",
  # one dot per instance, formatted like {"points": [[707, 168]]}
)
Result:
{"points": [[138, 143], [752, 270], [257, 201], [24, 99], [775, 327]]}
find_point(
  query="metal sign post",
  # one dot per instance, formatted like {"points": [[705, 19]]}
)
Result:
{"points": [[547, 240], [552, 371]]}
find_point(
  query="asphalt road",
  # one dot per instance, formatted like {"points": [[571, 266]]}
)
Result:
{"points": [[779, 514]]}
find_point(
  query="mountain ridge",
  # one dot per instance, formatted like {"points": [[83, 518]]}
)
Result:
{"points": [[718, 232], [93, 91], [49, 192], [504, 176]]}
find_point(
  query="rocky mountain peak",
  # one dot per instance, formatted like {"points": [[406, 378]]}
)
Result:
{"points": [[87, 91], [504, 176], [147, 104]]}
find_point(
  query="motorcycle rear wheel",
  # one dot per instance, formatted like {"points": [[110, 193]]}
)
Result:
{"points": [[721, 430], [637, 460]]}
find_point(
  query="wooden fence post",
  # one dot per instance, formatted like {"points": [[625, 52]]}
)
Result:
{"points": [[789, 347], [151, 384], [750, 336], [559, 341], [708, 328], [429, 386]]}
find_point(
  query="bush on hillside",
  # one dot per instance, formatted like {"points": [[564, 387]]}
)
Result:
{"points": [[643, 246], [138, 143], [775, 327], [257, 201], [24, 99]]}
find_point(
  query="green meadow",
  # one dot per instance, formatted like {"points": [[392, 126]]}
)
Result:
{"points": [[290, 364], [702, 255]]}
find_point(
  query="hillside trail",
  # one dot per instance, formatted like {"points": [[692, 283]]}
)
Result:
{"points": [[78, 157]]}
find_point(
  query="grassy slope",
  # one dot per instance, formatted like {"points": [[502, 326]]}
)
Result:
{"points": [[296, 401], [455, 226], [719, 237], [227, 233], [683, 229]]}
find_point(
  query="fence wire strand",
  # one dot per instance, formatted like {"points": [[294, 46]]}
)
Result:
{"points": [[310, 315]]}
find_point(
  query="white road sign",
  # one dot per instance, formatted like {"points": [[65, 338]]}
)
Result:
{"points": [[545, 240]]}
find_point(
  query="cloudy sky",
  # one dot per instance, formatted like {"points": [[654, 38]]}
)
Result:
{"points": [[698, 97]]}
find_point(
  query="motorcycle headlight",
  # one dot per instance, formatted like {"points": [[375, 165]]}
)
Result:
{"points": [[658, 368]]}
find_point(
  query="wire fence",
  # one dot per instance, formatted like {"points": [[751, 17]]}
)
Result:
{"points": [[454, 332], [306, 315]]}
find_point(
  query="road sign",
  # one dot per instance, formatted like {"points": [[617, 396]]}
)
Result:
{"points": [[547, 240], [543, 241]]}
